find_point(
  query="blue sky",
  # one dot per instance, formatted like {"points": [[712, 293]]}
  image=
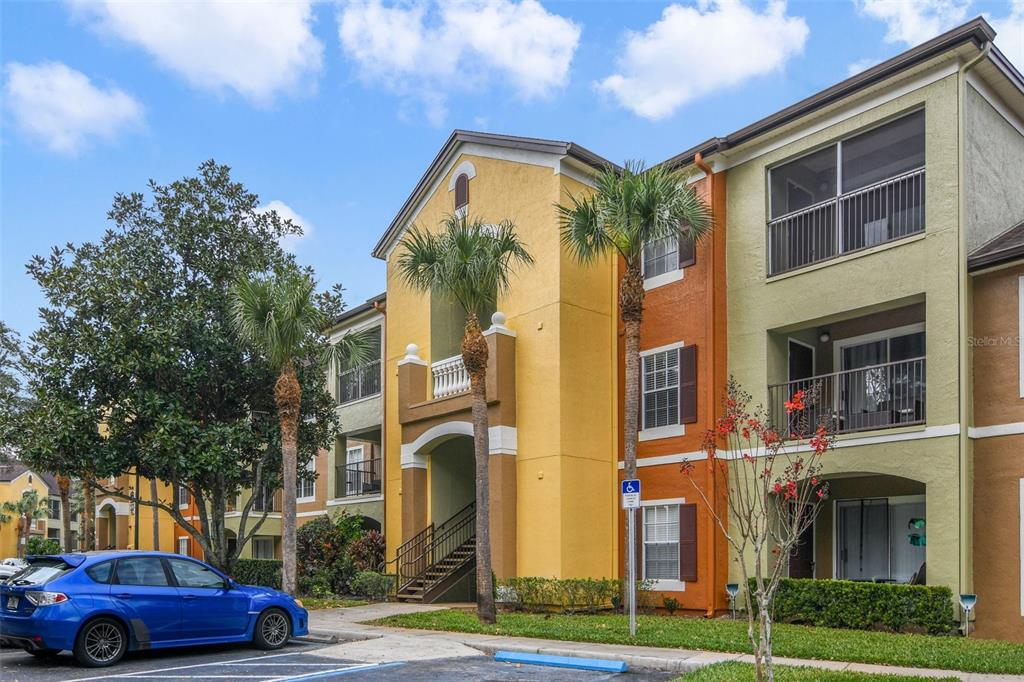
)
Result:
{"points": [[331, 111]]}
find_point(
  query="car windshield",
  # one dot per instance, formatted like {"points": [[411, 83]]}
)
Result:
{"points": [[41, 571]]}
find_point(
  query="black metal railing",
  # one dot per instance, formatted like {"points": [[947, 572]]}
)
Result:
{"points": [[432, 544], [879, 213], [359, 382], [877, 397], [360, 478]]}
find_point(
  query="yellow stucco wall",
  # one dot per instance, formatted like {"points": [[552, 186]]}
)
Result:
{"points": [[146, 520], [565, 395], [11, 491], [921, 267]]}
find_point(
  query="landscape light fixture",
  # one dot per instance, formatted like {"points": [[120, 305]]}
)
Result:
{"points": [[967, 602], [732, 589]]}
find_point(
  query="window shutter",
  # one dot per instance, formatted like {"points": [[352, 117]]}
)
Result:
{"points": [[688, 384], [639, 542], [686, 248], [688, 542]]}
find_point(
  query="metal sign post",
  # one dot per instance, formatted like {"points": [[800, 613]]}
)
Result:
{"points": [[631, 502]]}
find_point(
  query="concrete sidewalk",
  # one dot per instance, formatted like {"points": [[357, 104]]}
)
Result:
{"points": [[371, 643]]}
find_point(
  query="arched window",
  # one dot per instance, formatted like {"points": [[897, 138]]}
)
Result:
{"points": [[461, 191]]}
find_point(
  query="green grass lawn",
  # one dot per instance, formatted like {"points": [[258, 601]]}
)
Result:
{"points": [[796, 641], [314, 603], [741, 672]]}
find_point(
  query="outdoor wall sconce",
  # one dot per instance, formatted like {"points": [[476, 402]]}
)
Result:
{"points": [[967, 602], [825, 337], [732, 589]]}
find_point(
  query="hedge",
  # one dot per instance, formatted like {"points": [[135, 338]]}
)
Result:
{"points": [[568, 595], [263, 572], [863, 605]]}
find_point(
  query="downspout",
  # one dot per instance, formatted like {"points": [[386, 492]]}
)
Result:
{"points": [[382, 309], [966, 495], [698, 160]]}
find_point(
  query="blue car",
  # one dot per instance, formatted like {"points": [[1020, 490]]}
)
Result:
{"points": [[101, 604]]}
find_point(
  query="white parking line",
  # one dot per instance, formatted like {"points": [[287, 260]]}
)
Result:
{"points": [[186, 667], [338, 671]]}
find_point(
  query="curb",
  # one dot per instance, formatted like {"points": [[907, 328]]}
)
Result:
{"points": [[634, 661]]}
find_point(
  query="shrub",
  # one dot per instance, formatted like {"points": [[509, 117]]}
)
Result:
{"points": [[367, 552], [567, 595], [322, 553], [38, 545], [371, 585], [671, 605], [863, 605], [263, 572]]}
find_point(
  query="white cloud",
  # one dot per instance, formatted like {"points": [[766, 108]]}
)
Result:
{"points": [[692, 51], [428, 51], [861, 65], [913, 22], [289, 242], [63, 109], [1010, 33], [254, 48]]}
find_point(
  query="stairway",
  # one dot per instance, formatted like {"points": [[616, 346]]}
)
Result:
{"points": [[433, 561]]}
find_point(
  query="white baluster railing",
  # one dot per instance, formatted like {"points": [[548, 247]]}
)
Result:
{"points": [[450, 377]]}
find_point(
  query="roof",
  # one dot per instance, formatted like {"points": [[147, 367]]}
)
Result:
{"points": [[976, 32], [460, 137], [12, 469], [369, 304], [1004, 248]]}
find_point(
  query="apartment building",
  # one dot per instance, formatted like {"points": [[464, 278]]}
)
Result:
{"points": [[16, 479]]}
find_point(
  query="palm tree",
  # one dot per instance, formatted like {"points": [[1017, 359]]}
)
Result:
{"points": [[64, 488], [279, 316], [631, 208], [471, 263], [26, 510]]}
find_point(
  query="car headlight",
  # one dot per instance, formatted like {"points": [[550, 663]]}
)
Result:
{"points": [[46, 598], [299, 602]]}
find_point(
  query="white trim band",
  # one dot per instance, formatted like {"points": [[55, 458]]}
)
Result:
{"points": [[503, 440], [995, 430]]}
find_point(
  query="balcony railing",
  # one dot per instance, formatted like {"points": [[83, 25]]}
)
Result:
{"points": [[450, 377], [877, 397], [359, 382], [361, 478], [879, 213]]}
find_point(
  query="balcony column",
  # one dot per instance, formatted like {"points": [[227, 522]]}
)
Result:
{"points": [[412, 388], [501, 385]]}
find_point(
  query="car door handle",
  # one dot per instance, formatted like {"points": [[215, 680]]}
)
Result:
{"points": [[123, 595], [188, 596]]}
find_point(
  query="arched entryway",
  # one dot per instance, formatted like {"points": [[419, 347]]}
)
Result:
{"points": [[106, 527]]}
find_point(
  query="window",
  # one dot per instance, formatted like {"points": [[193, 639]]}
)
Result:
{"points": [[183, 497], [264, 500], [101, 572], [191, 574], [263, 547], [461, 191], [858, 192], [661, 542], [661, 256], [183, 545], [306, 486], [54, 509], [53, 533], [363, 380], [661, 389], [141, 571]]}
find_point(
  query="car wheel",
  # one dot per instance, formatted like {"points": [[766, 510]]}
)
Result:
{"points": [[43, 653], [273, 629], [100, 643]]}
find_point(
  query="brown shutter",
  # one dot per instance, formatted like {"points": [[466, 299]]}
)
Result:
{"points": [[688, 384], [639, 542], [688, 542], [461, 190], [686, 248]]}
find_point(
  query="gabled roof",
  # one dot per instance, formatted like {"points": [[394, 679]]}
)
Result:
{"points": [[11, 470], [1004, 248], [976, 32], [461, 137]]}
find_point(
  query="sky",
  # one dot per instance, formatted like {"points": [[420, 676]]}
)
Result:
{"points": [[331, 111]]}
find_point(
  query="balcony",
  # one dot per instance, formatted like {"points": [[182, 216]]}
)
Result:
{"points": [[880, 396], [359, 382], [361, 478], [883, 212]]}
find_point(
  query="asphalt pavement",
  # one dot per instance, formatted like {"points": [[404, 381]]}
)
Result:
{"points": [[298, 661]]}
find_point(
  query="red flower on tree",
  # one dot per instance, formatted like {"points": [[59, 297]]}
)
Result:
{"points": [[796, 403]]}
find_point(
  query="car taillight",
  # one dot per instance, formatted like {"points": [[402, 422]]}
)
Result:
{"points": [[45, 598]]}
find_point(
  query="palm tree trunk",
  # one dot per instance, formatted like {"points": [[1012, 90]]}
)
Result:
{"points": [[88, 509], [64, 489], [156, 515], [631, 306], [474, 357], [288, 395]]}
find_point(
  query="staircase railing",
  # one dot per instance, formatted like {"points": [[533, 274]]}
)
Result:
{"points": [[455, 533], [430, 545]]}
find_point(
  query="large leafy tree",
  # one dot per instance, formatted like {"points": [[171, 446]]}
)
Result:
{"points": [[470, 263], [13, 401], [282, 319], [631, 208], [137, 366]]}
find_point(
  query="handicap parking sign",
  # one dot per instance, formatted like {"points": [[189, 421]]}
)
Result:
{"points": [[630, 494]]}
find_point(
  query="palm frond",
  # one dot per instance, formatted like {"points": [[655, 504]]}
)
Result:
{"points": [[276, 315], [353, 349]]}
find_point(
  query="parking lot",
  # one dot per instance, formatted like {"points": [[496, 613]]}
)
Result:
{"points": [[298, 661]]}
